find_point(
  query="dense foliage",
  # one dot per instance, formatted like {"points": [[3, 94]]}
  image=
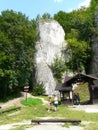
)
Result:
{"points": [[38, 89], [58, 68], [17, 47], [80, 54], [79, 26]]}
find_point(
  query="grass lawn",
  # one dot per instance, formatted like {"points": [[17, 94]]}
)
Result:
{"points": [[33, 108]]}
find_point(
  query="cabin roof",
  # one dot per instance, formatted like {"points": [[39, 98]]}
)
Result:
{"points": [[62, 87], [67, 85], [81, 77]]}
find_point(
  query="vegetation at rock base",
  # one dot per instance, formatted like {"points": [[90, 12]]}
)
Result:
{"points": [[58, 68], [38, 89]]}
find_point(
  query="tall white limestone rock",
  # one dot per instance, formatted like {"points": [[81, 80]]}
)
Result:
{"points": [[48, 47]]}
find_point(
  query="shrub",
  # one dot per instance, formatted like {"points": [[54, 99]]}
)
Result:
{"points": [[58, 69], [38, 89]]}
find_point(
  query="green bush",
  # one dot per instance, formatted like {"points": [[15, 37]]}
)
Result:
{"points": [[38, 89], [58, 68]]}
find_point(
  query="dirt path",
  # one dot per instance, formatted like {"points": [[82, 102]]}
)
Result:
{"points": [[54, 127], [44, 126], [15, 101], [87, 108]]}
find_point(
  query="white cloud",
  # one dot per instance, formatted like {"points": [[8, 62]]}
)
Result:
{"points": [[58, 1], [85, 3]]}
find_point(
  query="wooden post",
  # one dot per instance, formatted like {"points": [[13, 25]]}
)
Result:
{"points": [[26, 89]]}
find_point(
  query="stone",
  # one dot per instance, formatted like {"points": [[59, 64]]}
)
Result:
{"points": [[49, 46]]}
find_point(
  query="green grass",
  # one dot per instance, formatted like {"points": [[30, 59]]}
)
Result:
{"points": [[92, 126], [39, 111], [34, 109], [21, 127], [31, 102]]}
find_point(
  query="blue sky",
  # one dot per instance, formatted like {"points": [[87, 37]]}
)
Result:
{"points": [[31, 8]]}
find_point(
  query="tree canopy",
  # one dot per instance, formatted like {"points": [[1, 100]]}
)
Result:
{"points": [[79, 26], [17, 44]]}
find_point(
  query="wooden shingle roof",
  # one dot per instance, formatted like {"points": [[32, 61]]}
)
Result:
{"points": [[67, 85], [62, 87], [81, 77]]}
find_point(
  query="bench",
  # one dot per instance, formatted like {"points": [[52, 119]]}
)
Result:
{"points": [[38, 121]]}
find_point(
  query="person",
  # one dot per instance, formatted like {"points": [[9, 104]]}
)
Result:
{"points": [[49, 103], [55, 102], [74, 99], [78, 99], [61, 96]]}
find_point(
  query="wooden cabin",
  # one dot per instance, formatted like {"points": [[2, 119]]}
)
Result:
{"points": [[66, 88]]}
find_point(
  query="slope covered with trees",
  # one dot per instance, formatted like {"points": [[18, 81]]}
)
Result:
{"points": [[79, 26]]}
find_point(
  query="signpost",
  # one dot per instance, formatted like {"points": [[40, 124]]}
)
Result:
{"points": [[26, 89]]}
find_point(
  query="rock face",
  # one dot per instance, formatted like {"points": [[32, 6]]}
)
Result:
{"points": [[94, 64], [48, 47]]}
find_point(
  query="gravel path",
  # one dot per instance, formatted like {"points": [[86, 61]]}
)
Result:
{"points": [[44, 126], [87, 108], [54, 127]]}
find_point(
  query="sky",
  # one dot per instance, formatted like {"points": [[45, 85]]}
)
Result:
{"points": [[32, 8]]}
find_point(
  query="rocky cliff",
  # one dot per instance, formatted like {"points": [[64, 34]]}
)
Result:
{"points": [[48, 47]]}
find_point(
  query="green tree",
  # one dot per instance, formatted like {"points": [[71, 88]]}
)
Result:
{"points": [[64, 19], [17, 42], [6, 60], [79, 55], [58, 68], [46, 16], [94, 4], [79, 24], [38, 89]]}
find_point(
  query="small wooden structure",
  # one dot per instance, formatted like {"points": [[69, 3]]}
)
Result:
{"points": [[67, 86]]}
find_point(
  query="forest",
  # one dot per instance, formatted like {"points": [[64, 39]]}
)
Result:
{"points": [[18, 37]]}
